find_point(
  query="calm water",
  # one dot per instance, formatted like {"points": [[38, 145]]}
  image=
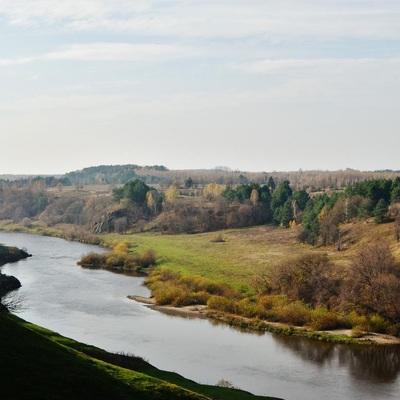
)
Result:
{"points": [[92, 307]]}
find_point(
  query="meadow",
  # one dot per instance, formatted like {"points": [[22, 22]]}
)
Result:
{"points": [[233, 256]]}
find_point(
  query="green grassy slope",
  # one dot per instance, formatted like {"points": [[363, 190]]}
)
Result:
{"points": [[36, 363]]}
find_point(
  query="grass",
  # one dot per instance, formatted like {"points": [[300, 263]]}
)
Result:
{"points": [[36, 363], [235, 261], [248, 252]]}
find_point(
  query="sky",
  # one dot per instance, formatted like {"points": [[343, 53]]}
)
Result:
{"points": [[253, 85]]}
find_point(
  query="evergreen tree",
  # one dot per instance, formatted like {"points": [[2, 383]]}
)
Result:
{"points": [[310, 224], [281, 195], [380, 211], [271, 184]]}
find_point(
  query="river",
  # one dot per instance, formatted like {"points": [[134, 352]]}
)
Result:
{"points": [[92, 306]]}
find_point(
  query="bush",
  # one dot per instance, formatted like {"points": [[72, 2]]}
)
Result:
{"points": [[93, 260], [251, 309], [358, 322], [201, 297], [323, 319], [220, 303], [118, 259], [197, 288], [296, 313], [168, 294], [271, 301], [378, 324], [147, 259], [115, 260]]}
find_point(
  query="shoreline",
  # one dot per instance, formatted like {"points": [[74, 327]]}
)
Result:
{"points": [[185, 312], [334, 336]]}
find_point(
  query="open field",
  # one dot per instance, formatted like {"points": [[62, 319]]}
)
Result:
{"points": [[242, 255], [246, 253]]}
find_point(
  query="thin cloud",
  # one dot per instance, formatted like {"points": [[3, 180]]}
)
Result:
{"points": [[109, 52], [121, 52], [9, 62], [273, 20], [328, 64]]}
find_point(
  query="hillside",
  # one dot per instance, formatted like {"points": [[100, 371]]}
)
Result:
{"points": [[36, 363]]}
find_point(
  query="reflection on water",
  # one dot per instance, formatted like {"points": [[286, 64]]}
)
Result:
{"points": [[374, 364], [370, 363]]}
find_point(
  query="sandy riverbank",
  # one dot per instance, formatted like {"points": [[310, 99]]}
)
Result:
{"points": [[201, 311]]}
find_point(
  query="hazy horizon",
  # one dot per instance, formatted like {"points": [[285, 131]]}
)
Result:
{"points": [[255, 85], [224, 168]]}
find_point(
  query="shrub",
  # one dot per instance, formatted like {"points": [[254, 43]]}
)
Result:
{"points": [[252, 309], [161, 275], [378, 324], [197, 287], [358, 322], [296, 313], [122, 247], [168, 294], [324, 319], [220, 303], [271, 301], [201, 297], [115, 260], [147, 259], [94, 260]]}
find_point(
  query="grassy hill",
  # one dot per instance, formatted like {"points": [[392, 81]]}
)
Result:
{"points": [[36, 363]]}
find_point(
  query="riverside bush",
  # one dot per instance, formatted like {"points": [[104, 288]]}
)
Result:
{"points": [[118, 260], [94, 260], [188, 290], [324, 319], [220, 303], [378, 324], [357, 322], [295, 313], [272, 301], [168, 294]]}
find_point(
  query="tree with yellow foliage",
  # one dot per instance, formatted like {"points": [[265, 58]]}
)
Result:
{"points": [[171, 193], [212, 191]]}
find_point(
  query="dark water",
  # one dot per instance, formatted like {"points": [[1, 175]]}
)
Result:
{"points": [[92, 307]]}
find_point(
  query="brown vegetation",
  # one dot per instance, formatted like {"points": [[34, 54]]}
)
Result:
{"points": [[309, 290], [119, 259]]}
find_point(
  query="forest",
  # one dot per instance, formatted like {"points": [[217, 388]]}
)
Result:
{"points": [[191, 205]]}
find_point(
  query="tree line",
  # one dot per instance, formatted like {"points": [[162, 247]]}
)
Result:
{"points": [[159, 174], [137, 206]]}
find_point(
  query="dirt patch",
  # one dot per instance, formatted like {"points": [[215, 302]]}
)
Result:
{"points": [[186, 312], [375, 338]]}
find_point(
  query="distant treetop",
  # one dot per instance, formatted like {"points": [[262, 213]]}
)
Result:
{"points": [[110, 174]]}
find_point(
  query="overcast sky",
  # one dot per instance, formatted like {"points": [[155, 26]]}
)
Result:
{"points": [[255, 85]]}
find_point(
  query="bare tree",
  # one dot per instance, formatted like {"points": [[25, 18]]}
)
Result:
{"points": [[373, 284]]}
